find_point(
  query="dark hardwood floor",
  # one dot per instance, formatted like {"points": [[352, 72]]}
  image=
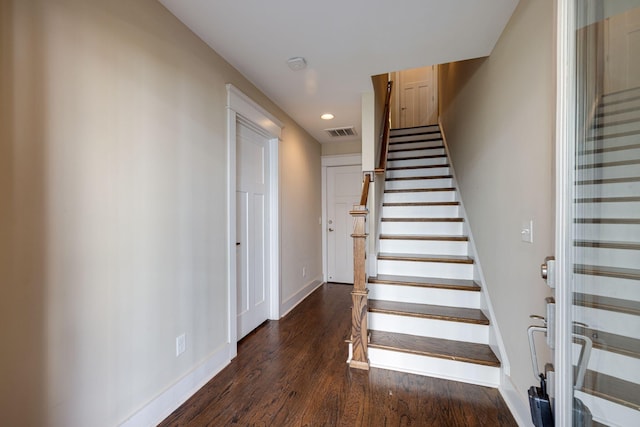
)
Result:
{"points": [[293, 372]]}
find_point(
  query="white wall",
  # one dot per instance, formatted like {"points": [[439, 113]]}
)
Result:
{"points": [[112, 207], [498, 115]]}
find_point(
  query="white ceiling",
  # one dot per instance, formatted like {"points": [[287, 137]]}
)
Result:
{"points": [[345, 42]]}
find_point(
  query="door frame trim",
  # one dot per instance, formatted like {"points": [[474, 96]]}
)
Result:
{"points": [[240, 106], [327, 162]]}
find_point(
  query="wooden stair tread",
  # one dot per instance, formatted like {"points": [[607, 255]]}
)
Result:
{"points": [[428, 311], [416, 204], [622, 199], [607, 303], [423, 237], [397, 168], [400, 150], [421, 190], [608, 181], [604, 244], [436, 219], [617, 123], [426, 282], [613, 135], [606, 220], [611, 149], [614, 343], [453, 259], [480, 354], [617, 272], [614, 389], [609, 164], [414, 178]]}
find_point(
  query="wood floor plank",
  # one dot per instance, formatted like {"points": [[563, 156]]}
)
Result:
{"points": [[292, 372]]}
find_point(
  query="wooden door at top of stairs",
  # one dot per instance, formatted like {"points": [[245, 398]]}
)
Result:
{"points": [[343, 191], [252, 231], [621, 45], [417, 97]]}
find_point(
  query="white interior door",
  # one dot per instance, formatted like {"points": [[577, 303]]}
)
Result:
{"points": [[622, 44], [252, 231], [343, 192], [418, 97]]}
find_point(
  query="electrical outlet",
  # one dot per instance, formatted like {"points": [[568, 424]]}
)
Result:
{"points": [[181, 344]]}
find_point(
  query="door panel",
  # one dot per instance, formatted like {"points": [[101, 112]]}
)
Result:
{"points": [[418, 97]]}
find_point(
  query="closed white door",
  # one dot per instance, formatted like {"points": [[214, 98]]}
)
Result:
{"points": [[252, 238], [622, 44], [418, 95], [344, 185]]}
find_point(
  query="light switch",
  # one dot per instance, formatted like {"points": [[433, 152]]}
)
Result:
{"points": [[526, 231]]}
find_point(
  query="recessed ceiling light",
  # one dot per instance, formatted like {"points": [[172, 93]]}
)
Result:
{"points": [[327, 116]]}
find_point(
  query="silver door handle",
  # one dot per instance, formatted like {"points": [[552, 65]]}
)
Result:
{"points": [[546, 270]]}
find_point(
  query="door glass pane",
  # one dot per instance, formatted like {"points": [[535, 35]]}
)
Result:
{"points": [[606, 230]]}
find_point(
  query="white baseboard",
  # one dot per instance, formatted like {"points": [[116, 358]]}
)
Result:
{"points": [[291, 302], [518, 407], [169, 400]]}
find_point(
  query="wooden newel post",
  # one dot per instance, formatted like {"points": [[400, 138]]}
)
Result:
{"points": [[359, 327]]}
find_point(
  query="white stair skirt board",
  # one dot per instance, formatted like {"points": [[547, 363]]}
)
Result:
{"points": [[424, 228], [609, 413], [435, 367], [623, 324], [458, 331], [608, 210], [611, 287], [416, 197], [398, 154], [610, 363], [441, 247], [419, 183], [403, 163], [405, 173], [608, 232], [435, 296], [433, 211], [444, 270], [617, 258]]}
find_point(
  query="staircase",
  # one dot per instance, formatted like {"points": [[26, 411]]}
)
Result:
{"points": [[607, 259], [425, 313]]}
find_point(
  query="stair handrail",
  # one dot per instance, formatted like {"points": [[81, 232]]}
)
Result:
{"points": [[359, 328], [384, 131]]}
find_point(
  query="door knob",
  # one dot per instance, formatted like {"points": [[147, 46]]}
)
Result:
{"points": [[547, 271], [331, 229]]}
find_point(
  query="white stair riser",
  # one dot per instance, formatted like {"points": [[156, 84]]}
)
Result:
{"points": [[419, 183], [434, 328], [609, 413], [626, 103], [405, 173], [422, 228], [622, 95], [617, 115], [618, 189], [610, 142], [611, 287], [435, 367], [444, 211], [420, 197], [395, 155], [609, 156], [416, 138], [428, 128], [416, 162], [610, 363], [618, 128], [441, 247], [420, 295], [415, 144], [609, 210], [426, 269], [610, 232], [623, 324], [607, 172], [619, 258]]}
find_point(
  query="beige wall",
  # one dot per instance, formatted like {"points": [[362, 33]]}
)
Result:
{"points": [[337, 148], [113, 207], [498, 116]]}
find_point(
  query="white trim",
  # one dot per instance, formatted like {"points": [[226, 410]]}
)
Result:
{"points": [[295, 299], [565, 141], [169, 400], [240, 108], [326, 162], [519, 408]]}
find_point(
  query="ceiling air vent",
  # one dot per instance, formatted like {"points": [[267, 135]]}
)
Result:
{"points": [[340, 132]]}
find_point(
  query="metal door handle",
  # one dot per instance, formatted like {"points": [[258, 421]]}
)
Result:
{"points": [[546, 270], [331, 229]]}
